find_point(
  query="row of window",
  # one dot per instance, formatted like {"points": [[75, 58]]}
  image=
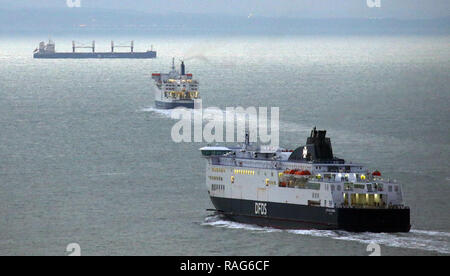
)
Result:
{"points": [[217, 187], [215, 178], [239, 171], [246, 172]]}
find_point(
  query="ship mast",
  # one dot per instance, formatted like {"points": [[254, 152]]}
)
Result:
{"points": [[247, 140]]}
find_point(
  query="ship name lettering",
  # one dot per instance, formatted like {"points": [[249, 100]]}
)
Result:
{"points": [[261, 209]]}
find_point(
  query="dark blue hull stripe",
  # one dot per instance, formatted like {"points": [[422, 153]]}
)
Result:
{"points": [[293, 216], [172, 105]]}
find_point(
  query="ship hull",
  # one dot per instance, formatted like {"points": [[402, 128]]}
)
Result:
{"points": [[172, 105], [293, 216], [137, 55]]}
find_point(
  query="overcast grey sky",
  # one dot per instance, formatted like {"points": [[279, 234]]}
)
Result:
{"points": [[409, 9]]}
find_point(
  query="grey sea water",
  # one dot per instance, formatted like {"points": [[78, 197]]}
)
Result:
{"points": [[85, 158]]}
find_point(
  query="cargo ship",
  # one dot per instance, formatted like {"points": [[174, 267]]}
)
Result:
{"points": [[175, 89], [48, 51], [305, 188]]}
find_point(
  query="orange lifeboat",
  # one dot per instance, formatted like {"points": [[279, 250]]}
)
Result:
{"points": [[305, 172], [376, 173]]}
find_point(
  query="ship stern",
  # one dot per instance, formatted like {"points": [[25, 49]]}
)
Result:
{"points": [[374, 220]]}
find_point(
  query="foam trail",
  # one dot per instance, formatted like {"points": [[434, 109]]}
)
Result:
{"points": [[417, 239], [216, 221], [164, 112], [224, 116], [431, 233]]}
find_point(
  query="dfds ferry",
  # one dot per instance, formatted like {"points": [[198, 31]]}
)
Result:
{"points": [[307, 188]]}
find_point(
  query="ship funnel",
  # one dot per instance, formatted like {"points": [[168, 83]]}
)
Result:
{"points": [[183, 68], [317, 149]]}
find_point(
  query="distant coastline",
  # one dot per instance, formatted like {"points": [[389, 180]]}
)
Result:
{"points": [[75, 21]]}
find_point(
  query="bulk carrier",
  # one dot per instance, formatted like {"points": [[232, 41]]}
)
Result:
{"points": [[48, 51], [175, 89], [307, 188]]}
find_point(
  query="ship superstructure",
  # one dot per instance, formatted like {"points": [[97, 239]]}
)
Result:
{"points": [[308, 188], [48, 51], [175, 89]]}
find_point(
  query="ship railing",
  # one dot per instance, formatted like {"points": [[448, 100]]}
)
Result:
{"points": [[358, 181]]}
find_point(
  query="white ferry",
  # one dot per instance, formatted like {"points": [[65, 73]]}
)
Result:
{"points": [[307, 188], [175, 89]]}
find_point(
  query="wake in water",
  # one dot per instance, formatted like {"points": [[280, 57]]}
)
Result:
{"points": [[163, 112], [417, 239], [226, 116]]}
